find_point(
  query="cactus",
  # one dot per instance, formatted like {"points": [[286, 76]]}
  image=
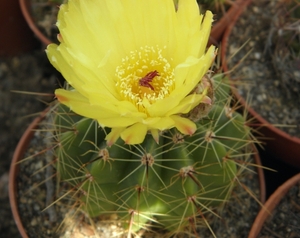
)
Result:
{"points": [[171, 175], [172, 184]]}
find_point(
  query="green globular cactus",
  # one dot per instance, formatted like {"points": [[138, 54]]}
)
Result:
{"points": [[172, 184]]}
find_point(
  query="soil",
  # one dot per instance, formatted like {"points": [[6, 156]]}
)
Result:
{"points": [[267, 93], [28, 73], [285, 219]]}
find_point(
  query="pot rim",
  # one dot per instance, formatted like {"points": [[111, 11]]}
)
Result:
{"points": [[271, 203], [24, 4], [221, 25]]}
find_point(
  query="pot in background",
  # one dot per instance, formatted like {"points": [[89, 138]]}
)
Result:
{"points": [[278, 143]]}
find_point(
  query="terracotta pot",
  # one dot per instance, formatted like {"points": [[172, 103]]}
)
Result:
{"points": [[270, 205], [23, 145], [15, 35], [278, 143], [223, 23], [25, 7]]}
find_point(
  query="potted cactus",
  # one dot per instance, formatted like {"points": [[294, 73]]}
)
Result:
{"points": [[143, 129]]}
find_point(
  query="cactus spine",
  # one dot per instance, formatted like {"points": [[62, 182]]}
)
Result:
{"points": [[172, 184]]}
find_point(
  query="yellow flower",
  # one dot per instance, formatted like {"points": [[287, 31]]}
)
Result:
{"points": [[132, 64]]}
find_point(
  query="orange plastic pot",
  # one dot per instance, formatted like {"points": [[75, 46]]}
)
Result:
{"points": [[278, 143]]}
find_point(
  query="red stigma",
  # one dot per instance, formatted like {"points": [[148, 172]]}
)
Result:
{"points": [[145, 81]]}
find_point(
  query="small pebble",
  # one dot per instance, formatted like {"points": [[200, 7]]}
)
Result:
{"points": [[257, 55], [33, 222]]}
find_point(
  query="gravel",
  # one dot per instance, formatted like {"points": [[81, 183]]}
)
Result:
{"points": [[256, 74]]}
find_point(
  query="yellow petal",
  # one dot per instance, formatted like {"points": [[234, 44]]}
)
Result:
{"points": [[102, 113], [134, 134], [161, 123], [56, 59], [114, 135], [184, 125], [155, 135], [77, 103], [80, 104], [117, 121], [187, 104], [159, 108], [88, 16], [156, 18], [205, 31], [85, 75], [187, 30], [187, 75]]}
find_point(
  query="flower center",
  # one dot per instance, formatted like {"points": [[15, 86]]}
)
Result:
{"points": [[145, 75], [145, 81]]}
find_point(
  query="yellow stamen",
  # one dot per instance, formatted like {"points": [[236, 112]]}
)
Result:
{"points": [[136, 67]]}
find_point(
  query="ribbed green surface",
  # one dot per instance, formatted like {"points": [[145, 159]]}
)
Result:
{"points": [[174, 182]]}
